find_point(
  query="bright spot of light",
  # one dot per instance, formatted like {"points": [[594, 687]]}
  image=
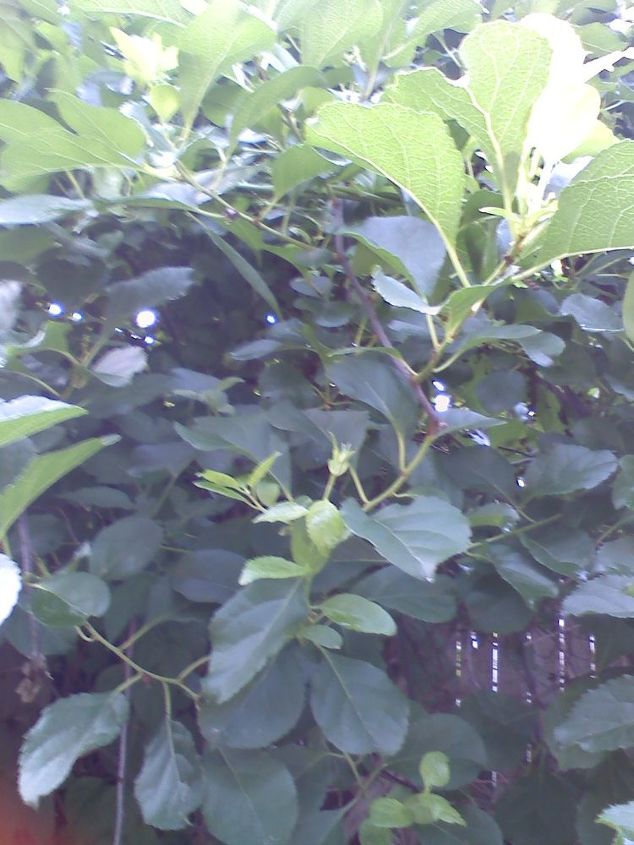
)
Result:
{"points": [[55, 309], [76, 316], [521, 482], [150, 340], [442, 403], [271, 319], [438, 385], [145, 319]]}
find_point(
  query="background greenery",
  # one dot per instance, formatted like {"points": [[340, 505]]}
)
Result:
{"points": [[316, 471]]}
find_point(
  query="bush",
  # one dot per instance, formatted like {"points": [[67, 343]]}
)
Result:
{"points": [[315, 471]]}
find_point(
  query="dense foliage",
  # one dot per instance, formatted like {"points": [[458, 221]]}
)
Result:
{"points": [[316, 359]]}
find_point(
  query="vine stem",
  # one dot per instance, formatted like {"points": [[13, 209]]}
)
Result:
{"points": [[94, 634], [377, 326], [122, 762]]}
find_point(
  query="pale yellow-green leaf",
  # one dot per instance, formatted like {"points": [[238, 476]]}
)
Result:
{"points": [[596, 211], [224, 34], [171, 11], [331, 27], [506, 70], [413, 150], [164, 100]]}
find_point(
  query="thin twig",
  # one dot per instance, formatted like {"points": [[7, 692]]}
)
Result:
{"points": [[368, 306], [122, 763]]}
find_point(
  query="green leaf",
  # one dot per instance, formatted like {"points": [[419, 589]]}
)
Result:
{"points": [[506, 69], [428, 809], [398, 294], [169, 787], [296, 165], [373, 380], [358, 614], [246, 270], [38, 208], [263, 712], [449, 734], [126, 299], [249, 798], [125, 547], [325, 525], [410, 246], [481, 829], [321, 635], [269, 566], [429, 601], [249, 630], [628, 308], [565, 468], [415, 537], [107, 125], [170, 11], [602, 719], [357, 706], [10, 586], [538, 808], [370, 835], [222, 35], [623, 487], [607, 594], [262, 469], [65, 731], [460, 15], [434, 769], [27, 415], [69, 598], [270, 95], [388, 812], [563, 549], [591, 314], [595, 211], [330, 28], [117, 367], [282, 512], [415, 151], [41, 473], [522, 574]]}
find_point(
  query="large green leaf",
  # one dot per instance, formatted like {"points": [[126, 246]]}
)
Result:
{"points": [[460, 15], [149, 289], [373, 380], [357, 706], [409, 245], [358, 614], [65, 731], [170, 11], [169, 786], [223, 34], [415, 537], [565, 468], [506, 70], [538, 808], [413, 150], [126, 547], [269, 95], [38, 208], [430, 601], [331, 27], [607, 594], [41, 473], [250, 797], [602, 719], [265, 710], [66, 599], [249, 630], [27, 415], [595, 212]]}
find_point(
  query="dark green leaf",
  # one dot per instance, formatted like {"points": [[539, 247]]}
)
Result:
{"points": [[125, 548], [357, 706], [69, 598]]}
